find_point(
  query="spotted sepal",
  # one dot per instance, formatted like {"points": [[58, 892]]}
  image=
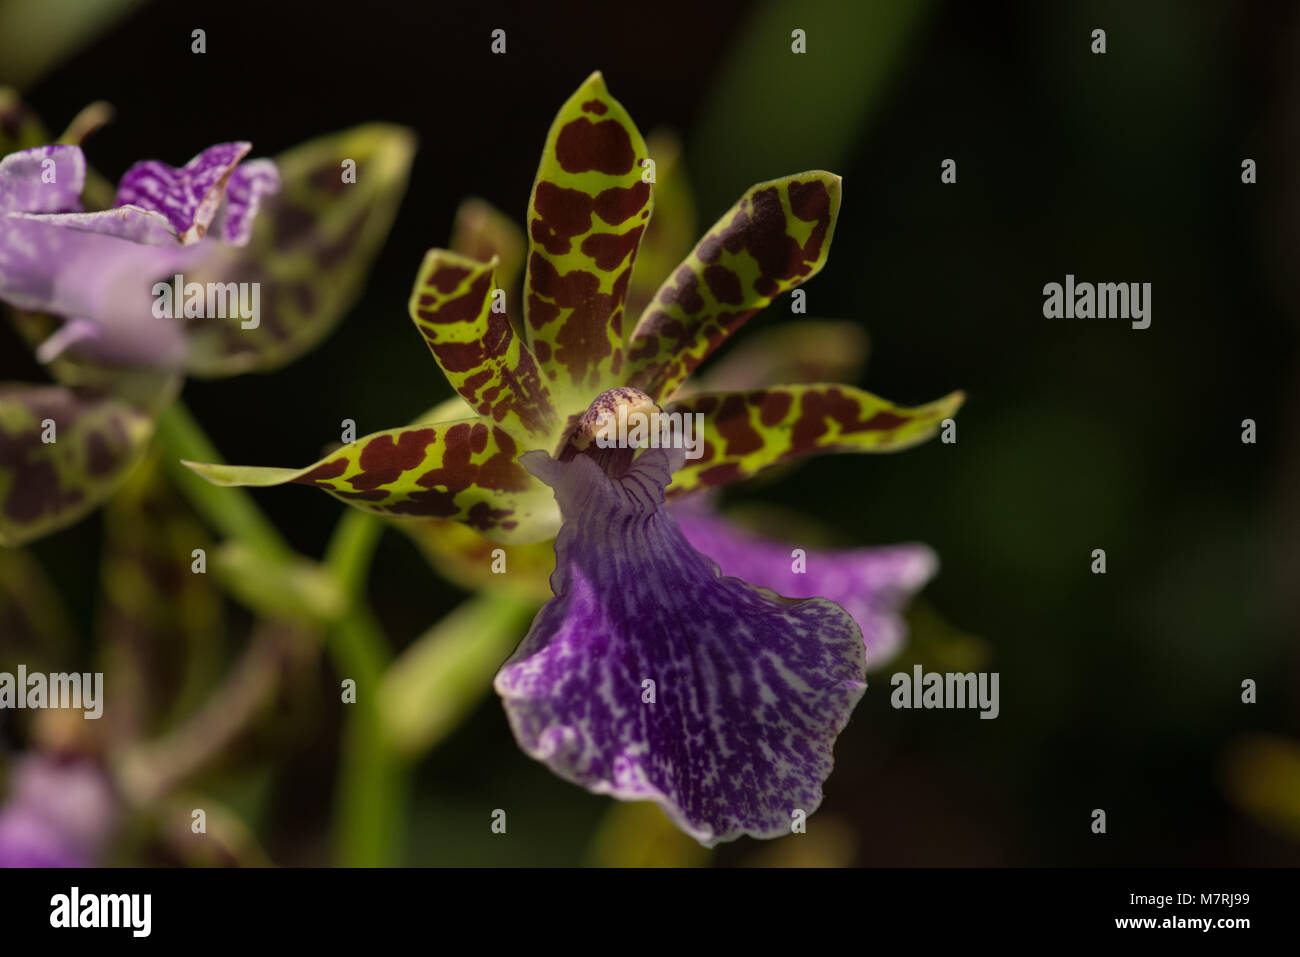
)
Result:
{"points": [[776, 237], [309, 251], [454, 305], [747, 432], [62, 452], [464, 470], [588, 209]]}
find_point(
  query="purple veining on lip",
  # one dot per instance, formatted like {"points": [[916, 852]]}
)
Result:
{"points": [[871, 584], [188, 196], [751, 689]]}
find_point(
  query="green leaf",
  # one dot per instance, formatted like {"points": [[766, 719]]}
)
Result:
{"points": [[776, 236], [311, 248], [770, 108], [586, 214], [449, 669], [464, 470], [492, 369], [45, 486], [35, 37], [747, 432], [297, 590]]}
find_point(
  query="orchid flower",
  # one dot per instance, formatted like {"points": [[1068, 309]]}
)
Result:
{"points": [[158, 638], [58, 813], [96, 270], [83, 284], [649, 675]]}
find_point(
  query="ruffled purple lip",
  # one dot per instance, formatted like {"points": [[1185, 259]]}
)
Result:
{"points": [[871, 584], [651, 677]]}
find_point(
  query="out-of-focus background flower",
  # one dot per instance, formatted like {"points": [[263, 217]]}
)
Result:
{"points": [[1119, 691]]}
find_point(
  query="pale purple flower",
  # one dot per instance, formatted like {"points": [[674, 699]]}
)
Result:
{"points": [[96, 270], [57, 813]]}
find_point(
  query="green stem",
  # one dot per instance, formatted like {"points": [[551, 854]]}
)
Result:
{"points": [[370, 811], [230, 510]]}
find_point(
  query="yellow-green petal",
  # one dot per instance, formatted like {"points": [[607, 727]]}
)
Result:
{"points": [[671, 230], [453, 304], [776, 236], [62, 452], [586, 214], [747, 432], [464, 470], [311, 248]]}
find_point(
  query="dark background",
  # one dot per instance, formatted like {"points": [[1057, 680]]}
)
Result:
{"points": [[1119, 691]]}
